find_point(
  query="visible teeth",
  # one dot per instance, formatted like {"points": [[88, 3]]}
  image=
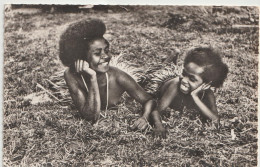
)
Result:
{"points": [[185, 87]]}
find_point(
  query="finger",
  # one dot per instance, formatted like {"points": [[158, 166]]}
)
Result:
{"points": [[156, 134], [201, 86], [144, 126], [208, 84], [77, 65], [204, 86], [207, 87], [133, 127], [86, 64], [81, 65], [137, 123], [140, 126]]}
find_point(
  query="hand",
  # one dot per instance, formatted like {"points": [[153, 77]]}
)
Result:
{"points": [[202, 87], [140, 124], [83, 66], [160, 131]]}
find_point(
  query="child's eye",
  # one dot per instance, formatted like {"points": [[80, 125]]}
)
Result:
{"points": [[98, 52], [192, 79]]}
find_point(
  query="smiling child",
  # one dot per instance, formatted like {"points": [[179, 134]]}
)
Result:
{"points": [[203, 68]]}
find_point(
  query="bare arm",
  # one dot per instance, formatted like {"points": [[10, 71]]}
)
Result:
{"points": [[139, 94], [168, 96], [134, 90], [208, 107], [89, 103]]}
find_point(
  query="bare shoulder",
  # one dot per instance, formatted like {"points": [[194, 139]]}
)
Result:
{"points": [[119, 74], [174, 81], [115, 70], [171, 83]]}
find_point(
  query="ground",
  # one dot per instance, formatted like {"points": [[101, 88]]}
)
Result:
{"points": [[50, 134]]}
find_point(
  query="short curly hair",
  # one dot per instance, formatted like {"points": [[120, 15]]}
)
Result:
{"points": [[215, 71], [76, 38]]}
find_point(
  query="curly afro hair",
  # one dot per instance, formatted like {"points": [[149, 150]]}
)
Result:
{"points": [[215, 71], [75, 39]]}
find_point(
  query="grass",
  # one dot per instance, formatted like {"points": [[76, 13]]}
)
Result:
{"points": [[48, 134]]}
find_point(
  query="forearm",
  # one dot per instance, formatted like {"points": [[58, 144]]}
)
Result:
{"points": [[204, 109], [92, 103], [156, 116], [148, 108], [162, 106]]}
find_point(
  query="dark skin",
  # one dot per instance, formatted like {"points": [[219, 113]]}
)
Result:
{"points": [[93, 69], [188, 92]]}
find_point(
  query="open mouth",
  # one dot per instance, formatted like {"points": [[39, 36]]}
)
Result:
{"points": [[184, 88], [103, 63]]}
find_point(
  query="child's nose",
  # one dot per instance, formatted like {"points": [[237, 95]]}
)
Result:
{"points": [[105, 56], [184, 79]]}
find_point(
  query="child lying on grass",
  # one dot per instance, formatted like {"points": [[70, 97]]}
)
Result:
{"points": [[203, 68], [93, 84]]}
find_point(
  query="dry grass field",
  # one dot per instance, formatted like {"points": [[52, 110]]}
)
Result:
{"points": [[51, 134]]}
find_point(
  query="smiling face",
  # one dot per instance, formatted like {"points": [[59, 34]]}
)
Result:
{"points": [[98, 55], [191, 77]]}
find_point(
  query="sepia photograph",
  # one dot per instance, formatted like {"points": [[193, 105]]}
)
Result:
{"points": [[130, 85]]}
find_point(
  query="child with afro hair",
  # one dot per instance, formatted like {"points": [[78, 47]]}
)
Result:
{"points": [[203, 68], [94, 85]]}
